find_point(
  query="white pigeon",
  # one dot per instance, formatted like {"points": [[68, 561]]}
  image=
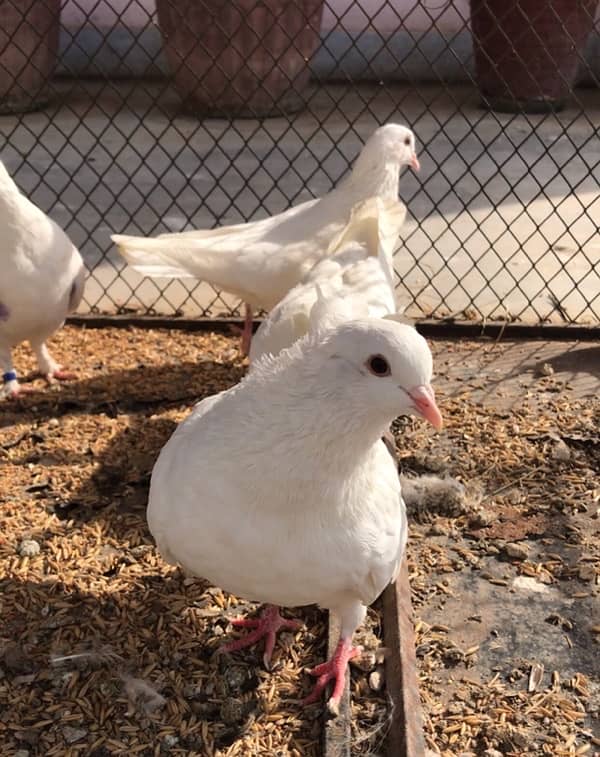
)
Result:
{"points": [[357, 277], [42, 281], [262, 260], [280, 489]]}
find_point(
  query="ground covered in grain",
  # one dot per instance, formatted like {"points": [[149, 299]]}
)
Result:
{"points": [[105, 649]]}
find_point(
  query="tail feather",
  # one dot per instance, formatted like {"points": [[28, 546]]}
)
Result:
{"points": [[175, 256]]}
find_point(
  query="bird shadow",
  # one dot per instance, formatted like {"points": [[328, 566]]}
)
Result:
{"points": [[572, 362], [501, 371], [116, 467], [153, 632]]}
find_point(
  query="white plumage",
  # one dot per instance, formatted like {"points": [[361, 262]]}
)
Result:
{"points": [[280, 489], [42, 281], [262, 260], [356, 280]]}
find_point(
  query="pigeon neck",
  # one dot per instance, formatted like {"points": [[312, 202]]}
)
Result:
{"points": [[11, 201], [374, 178]]}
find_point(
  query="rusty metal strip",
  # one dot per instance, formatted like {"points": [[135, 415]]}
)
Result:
{"points": [[428, 327], [405, 738], [336, 731]]}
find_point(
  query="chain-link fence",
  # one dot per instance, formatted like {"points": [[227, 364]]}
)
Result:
{"points": [[198, 113]]}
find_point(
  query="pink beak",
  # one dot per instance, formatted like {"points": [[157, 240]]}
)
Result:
{"points": [[424, 399], [414, 162]]}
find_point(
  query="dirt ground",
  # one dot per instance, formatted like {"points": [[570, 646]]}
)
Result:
{"points": [[505, 579], [107, 650]]}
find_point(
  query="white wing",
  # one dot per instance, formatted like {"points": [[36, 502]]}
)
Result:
{"points": [[355, 281]]}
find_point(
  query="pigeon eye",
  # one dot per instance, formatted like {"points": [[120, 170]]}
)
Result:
{"points": [[378, 365], [407, 141]]}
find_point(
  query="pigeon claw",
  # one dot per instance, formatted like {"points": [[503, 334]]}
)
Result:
{"points": [[333, 670], [60, 375], [14, 392], [267, 627]]}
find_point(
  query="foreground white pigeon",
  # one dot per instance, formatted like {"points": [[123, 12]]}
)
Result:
{"points": [[42, 280], [280, 489], [262, 260], [358, 276]]}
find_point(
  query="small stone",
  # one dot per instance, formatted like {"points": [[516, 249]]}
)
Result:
{"points": [[53, 422], [193, 690], [365, 661], [236, 677], [21, 753], [492, 753], [438, 529], [481, 518], [561, 451], [170, 740], [516, 550], [232, 711], [519, 739], [587, 573], [73, 734], [28, 548], [546, 370], [376, 679]]}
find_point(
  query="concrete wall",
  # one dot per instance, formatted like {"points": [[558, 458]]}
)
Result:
{"points": [[360, 38]]}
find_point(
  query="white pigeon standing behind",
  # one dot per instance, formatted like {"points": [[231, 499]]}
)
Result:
{"points": [[261, 261], [280, 489], [42, 280], [356, 278]]}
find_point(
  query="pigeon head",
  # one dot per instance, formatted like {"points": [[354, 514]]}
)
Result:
{"points": [[382, 366], [395, 143], [376, 170]]}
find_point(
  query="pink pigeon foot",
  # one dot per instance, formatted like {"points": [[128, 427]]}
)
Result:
{"points": [[334, 669], [266, 626], [17, 391], [60, 375]]}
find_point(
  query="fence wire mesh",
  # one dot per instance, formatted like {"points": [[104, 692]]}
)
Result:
{"points": [[123, 116]]}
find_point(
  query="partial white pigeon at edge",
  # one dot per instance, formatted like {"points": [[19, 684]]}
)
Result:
{"points": [[261, 261], [356, 280], [280, 489], [42, 280]]}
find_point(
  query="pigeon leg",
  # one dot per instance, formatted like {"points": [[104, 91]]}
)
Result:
{"points": [[48, 366], [267, 626], [333, 670], [247, 332], [10, 386], [351, 616]]}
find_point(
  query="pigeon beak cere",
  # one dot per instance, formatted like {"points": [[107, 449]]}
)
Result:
{"points": [[414, 162], [424, 401]]}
